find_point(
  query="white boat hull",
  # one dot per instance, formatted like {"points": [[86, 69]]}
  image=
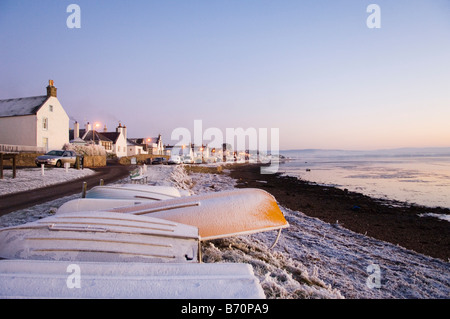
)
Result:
{"points": [[57, 279], [134, 192], [101, 237], [90, 204]]}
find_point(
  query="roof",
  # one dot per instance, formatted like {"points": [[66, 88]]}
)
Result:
{"points": [[22, 106], [156, 140], [137, 141], [113, 136], [81, 132], [98, 136], [77, 141], [131, 142]]}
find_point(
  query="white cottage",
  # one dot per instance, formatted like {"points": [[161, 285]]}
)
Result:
{"points": [[119, 140], [38, 121], [113, 142], [156, 145]]}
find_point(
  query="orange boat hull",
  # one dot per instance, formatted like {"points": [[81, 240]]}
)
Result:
{"points": [[220, 214]]}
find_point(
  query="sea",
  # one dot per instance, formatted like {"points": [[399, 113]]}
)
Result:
{"points": [[411, 175]]}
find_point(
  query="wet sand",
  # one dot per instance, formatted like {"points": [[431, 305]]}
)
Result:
{"points": [[394, 222]]}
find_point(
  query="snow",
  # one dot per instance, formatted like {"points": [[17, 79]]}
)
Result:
{"points": [[31, 178], [312, 259], [21, 106], [101, 280]]}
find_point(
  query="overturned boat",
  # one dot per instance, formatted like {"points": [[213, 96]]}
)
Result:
{"points": [[101, 237], [216, 215], [108, 280], [134, 192]]}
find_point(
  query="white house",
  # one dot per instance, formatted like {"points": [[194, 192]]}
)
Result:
{"points": [[113, 142], [155, 145], [119, 140], [150, 145], [38, 121], [135, 148]]}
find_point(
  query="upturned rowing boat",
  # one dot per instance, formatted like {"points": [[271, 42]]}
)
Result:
{"points": [[218, 214], [134, 192], [107, 280], [101, 237]]}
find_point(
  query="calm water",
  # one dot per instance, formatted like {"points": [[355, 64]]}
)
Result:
{"points": [[422, 177]]}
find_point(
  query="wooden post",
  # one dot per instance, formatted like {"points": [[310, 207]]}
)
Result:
{"points": [[1, 165], [14, 165], [83, 190]]}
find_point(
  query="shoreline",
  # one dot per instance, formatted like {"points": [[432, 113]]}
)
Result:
{"points": [[312, 258], [388, 220]]}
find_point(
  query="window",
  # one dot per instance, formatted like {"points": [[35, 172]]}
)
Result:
{"points": [[45, 123], [50, 108]]}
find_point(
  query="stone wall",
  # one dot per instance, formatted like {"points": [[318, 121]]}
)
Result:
{"points": [[94, 161], [140, 159], [24, 159]]}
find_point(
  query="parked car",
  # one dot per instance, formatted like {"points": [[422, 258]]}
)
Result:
{"points": [[174, 159], [159, 160], [188, 160], [57, 158]]}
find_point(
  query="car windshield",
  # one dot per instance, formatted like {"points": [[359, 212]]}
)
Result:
{"points": [[55, 153]]}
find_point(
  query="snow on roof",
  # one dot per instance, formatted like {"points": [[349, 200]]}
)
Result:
{"points": [[77, 141], [21, 106], [131, 142]]}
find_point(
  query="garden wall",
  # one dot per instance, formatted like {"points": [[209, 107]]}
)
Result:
{"points": [[91, 161], [140, 159]]}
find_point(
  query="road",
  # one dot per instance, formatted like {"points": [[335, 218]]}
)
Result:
{"points": [[12, 202]]}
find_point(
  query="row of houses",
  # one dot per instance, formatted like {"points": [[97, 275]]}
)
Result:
{"points": [[40, 122], [115, 142]]}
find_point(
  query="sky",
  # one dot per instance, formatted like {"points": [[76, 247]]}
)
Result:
{"points": [[311, 70]]}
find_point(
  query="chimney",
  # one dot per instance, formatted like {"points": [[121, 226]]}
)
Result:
{"points": [[76, 130], [87, 127], [51, 90], [119, 128], [124, 131], [105, 129]]}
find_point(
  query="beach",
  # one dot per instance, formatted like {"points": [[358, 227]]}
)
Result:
{"points": [[316, 256], [319, 255], [395, 222]]}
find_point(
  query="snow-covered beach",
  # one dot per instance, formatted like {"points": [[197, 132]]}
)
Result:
{"points": [[312, 259]]}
